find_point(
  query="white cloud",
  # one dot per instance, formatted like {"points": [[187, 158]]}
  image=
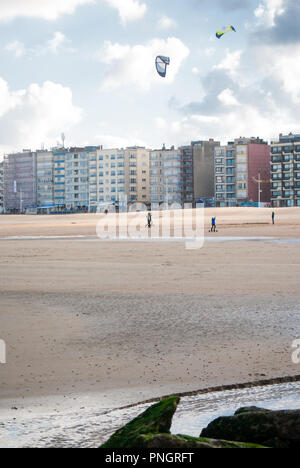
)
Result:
{"points": [[129, 10], [57, 42], [227, 98], [231, 62], [49, 10], [36, 114], [160, 122], [135, 65], [267, 11], [8, 100], [245, 120], [192, 125], [17, 48], [209, 52], [113, 141], [166, 23], [281, 62], [196, 71], [267, 106]]}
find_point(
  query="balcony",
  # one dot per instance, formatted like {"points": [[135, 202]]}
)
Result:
{"points": [[276, 195], [276, 170], [276, 160]]}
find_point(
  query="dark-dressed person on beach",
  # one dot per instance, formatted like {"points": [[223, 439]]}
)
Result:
{"points": [[149, 220], [213, 224], [273, 217]]}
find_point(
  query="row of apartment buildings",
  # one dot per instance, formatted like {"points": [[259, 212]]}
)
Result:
{"points": [[245, 171], [82, 178], [248, 171]]}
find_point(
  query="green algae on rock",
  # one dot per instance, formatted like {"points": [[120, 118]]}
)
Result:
{"points": [[151, 429], [156, 419], [170, 441]]}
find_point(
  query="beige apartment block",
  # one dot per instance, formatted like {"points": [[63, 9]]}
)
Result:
{"points": [[139, 175], [119, 174]]}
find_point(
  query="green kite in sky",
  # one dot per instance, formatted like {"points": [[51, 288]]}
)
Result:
{"points": [[221, 33]]}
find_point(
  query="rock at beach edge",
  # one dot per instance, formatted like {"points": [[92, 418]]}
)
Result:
{"points": [[276, 429]]}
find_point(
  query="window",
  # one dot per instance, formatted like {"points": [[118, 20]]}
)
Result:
{"points": [[276, 149], [229, 171]]}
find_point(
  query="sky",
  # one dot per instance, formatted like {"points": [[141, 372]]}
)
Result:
{"points": [[86, 68]]}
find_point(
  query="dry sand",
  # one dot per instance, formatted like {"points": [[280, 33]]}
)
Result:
{"points": [[137, 320]]}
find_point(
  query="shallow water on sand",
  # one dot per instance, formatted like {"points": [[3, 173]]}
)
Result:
{"points": [[195, 413], [89, 427], [217, 239]]}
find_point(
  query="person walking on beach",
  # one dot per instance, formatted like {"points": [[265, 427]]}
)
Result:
{"points": [[273, 217], [149, 220], [213, 224]]}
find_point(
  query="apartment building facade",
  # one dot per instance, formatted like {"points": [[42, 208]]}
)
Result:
{"points": [[285, 171], [77, 179], [44, 180], [237, 169], [203, 169], [74, 178], [187, 174], [20, 191], [119, 175], [166, 176], [59, 161]]}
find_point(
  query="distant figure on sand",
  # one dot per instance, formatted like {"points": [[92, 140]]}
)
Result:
{"points": [[213, 224], [149, 220], [273, 217]]}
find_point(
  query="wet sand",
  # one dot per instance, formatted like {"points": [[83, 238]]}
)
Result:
{"points": [[131, 321]]}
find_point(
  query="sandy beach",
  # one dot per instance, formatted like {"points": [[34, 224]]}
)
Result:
{"points": [[134, 320]]}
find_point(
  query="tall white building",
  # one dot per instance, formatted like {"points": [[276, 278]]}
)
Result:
{"points": [[166, 181], [118, 173], [77, 179]]}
